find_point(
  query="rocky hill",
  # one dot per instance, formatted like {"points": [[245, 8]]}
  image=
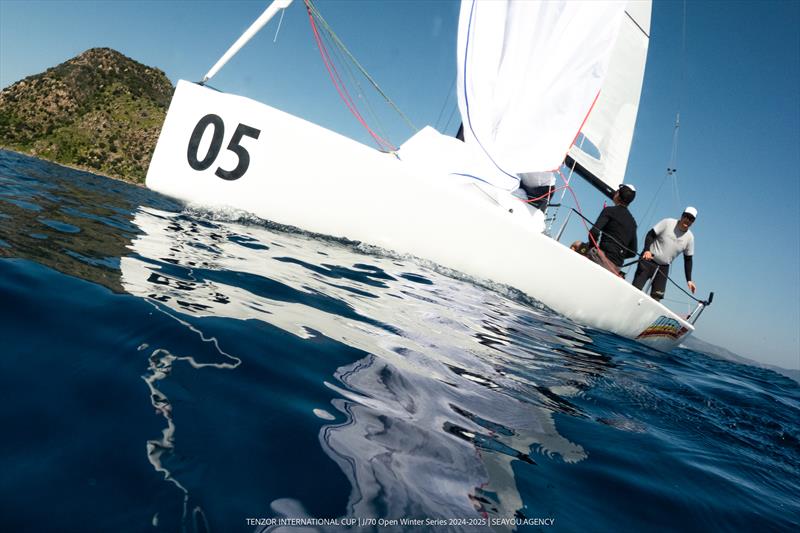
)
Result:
{"points": [[101, 111]]}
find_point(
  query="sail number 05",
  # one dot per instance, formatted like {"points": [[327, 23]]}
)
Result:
{"points": [[216, 144]]}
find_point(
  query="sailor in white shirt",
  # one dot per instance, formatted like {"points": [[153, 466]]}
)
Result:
{"points": [[662, 244]]}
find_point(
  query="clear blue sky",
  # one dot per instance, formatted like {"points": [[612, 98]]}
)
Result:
{"points": [[739, 142]]}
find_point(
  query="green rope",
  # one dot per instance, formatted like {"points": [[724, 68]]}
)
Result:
{"points": [[361, 94], [363, 71]]}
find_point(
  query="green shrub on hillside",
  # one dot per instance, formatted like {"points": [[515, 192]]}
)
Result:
{"points": [[99, 110]]}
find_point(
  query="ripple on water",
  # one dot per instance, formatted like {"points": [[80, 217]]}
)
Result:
{"points": [[58, 225], [178, 355]]}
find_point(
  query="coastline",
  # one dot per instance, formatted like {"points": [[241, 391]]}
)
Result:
{"points": [[75, 167]]}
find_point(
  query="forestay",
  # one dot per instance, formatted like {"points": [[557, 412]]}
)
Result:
{"points": [[610, 126], [528, 74]]}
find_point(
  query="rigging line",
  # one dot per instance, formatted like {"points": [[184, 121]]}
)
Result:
{"points": [[676, 191], [601, 254], [671, 281], [564, 191], [647, 216], [384, 145], [334, 53], [681, 91], [280, 23], [333, 65], [637, 25], [673, 165], [690, 295], [655, 273], [450, 118], [361, 94], [672, 168], [337, 81], [545, 195], [567, 186], [670, 174], [673, 301], [446, 101], [611, 237], [683, 59], [319, 16]]}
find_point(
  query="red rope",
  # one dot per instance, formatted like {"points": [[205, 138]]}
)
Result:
{"points": [[339, 85], [545, 195], [584, 120], [608, 263]]}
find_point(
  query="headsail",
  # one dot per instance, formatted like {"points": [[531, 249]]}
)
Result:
{"points": [[611, 123], [528, 74]]}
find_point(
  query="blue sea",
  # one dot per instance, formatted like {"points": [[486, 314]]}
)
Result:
{"points": [[166, 368]]}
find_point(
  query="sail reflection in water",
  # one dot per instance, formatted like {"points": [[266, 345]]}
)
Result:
{"points": [[440, 404]]}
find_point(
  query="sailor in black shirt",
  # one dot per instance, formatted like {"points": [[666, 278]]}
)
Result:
{"points": [[616, 229]]}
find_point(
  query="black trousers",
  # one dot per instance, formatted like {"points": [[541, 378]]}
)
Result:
{"points": [[646, 270]]}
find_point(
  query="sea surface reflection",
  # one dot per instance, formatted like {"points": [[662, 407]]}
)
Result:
{"points": [[453, 384], [175, 369]]}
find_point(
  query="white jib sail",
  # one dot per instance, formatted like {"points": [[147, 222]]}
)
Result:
{"points": [[611, 123], [528, 74]]}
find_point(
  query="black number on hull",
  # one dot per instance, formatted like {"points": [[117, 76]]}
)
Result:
{"points": [[216, 144], [239, 150]]}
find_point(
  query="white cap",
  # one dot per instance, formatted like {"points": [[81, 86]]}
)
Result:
{"points": [[628, 185], [691, 211]]}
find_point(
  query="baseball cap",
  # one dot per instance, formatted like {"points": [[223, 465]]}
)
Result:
{"points": [[690, 211], [627, 193]]}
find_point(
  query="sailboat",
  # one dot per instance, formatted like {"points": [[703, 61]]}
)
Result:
{"points": [[529, 76]]}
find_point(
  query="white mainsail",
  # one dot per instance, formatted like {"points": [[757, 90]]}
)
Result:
{"points": [[611, 123], [528, 74]]}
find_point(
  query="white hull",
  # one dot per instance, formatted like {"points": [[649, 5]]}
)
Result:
{"points": [[302, 175]]}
